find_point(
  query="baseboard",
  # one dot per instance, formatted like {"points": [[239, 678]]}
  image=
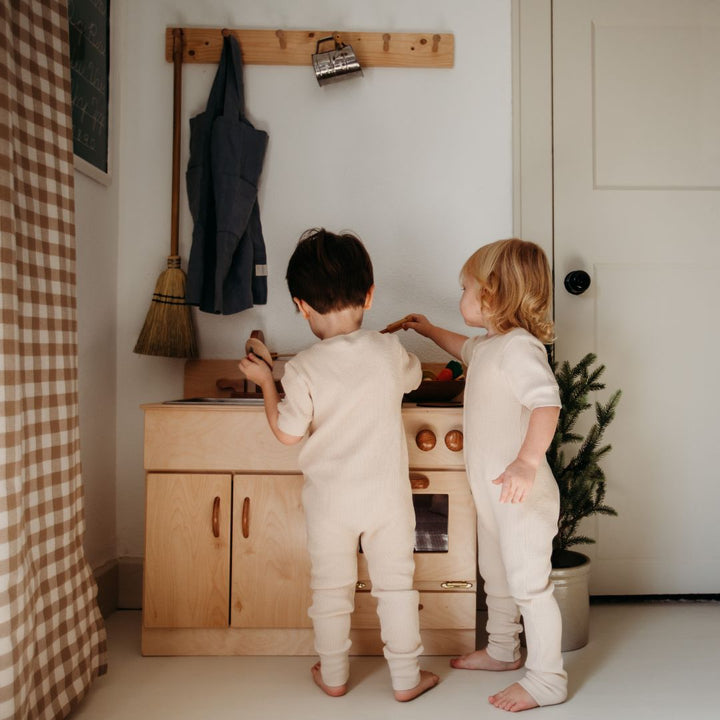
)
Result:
{"points": [[130, 590], [680, 597], [120, 587], [119, 584], [107, 580]]}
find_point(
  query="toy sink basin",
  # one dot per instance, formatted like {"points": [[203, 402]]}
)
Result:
{"points": [[435, 391]]}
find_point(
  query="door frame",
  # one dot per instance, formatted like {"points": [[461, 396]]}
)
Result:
{"points": [[532, 93]]}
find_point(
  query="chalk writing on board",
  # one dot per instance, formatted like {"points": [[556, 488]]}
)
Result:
{"points": [[89, 69]]}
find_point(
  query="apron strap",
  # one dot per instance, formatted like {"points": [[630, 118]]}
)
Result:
{"points": [[217, 91], [226, 94], [234, 90]]}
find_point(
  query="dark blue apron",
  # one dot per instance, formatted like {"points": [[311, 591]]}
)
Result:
{"points": [[227, 269]]}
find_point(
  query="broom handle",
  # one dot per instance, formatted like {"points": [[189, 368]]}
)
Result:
{"points": [[177, 104]]}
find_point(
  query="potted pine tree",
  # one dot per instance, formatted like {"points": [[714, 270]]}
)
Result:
{"points": [[575, 461]]}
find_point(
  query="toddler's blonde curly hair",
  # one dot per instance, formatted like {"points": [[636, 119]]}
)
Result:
{"points": [[515, 286]]}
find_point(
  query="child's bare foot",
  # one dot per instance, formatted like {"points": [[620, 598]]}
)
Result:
{"points": [[334, 691], [513, 698], [481, 660], [428, 681]]}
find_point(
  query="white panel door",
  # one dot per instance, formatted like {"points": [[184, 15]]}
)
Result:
{"points": [[636, 133]]}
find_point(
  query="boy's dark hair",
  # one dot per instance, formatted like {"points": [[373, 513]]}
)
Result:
{"points": [[329, 272]]}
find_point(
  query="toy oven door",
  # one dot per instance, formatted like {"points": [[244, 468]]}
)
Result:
{"points": [[445, 537]]}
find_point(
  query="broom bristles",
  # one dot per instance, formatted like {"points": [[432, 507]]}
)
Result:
{"points": [[168, 330]]}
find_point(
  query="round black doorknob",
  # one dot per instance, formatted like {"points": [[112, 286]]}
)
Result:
{"points": [[577, 282]]}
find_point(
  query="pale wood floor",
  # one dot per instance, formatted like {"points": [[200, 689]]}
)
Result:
{"points": [[644, 661]]}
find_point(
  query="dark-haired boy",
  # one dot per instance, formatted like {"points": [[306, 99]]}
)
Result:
{"points": [[345, 392]]}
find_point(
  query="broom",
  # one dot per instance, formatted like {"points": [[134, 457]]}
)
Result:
{"points": [[168, 328]]}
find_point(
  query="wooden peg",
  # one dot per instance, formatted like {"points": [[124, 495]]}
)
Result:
{"points": [[436, 42], [386, 42], [280, 34], [225, 32]]}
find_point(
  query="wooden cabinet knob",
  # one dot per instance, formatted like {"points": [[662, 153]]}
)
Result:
{"points": [[425, 440], [454, 440]]}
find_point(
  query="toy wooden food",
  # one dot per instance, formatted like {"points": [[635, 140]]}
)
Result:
{"points": [[397, 325], [258, 348]]}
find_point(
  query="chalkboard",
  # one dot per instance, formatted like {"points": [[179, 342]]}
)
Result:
{"points": [[89, 68]]}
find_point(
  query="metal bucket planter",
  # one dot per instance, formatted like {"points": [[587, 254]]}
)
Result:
{"points": [[573, 597]]}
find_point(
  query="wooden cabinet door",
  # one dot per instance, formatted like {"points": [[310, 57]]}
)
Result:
{"points": [[270, 564], [187, 551]]}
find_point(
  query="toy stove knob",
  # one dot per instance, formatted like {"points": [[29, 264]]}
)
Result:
{"points": [[425, 440], [454, 440]]}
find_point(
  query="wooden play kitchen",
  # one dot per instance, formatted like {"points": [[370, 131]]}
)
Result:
{"points": [[226, 570]]}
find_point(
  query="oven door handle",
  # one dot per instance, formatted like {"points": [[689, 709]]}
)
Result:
{"points": [[456, 585]]}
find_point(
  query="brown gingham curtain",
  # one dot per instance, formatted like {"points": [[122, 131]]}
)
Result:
{"points": [[52, 638]]}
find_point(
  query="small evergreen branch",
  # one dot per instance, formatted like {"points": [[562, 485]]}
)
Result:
{"points": [[580, 479]]}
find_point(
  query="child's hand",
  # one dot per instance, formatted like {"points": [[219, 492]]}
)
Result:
{"points": [[448, 340], [419, 323], [256, 369], [516, 481]]}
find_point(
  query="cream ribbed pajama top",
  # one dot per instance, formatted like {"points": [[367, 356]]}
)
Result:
{"points": [[346, 392], [508, 377]]}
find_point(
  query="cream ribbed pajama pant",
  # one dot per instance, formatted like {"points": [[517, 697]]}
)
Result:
{"points": [[514, 549], [387, 536]]}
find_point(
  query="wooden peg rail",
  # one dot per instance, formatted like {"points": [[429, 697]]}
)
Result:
{"points": [[296, 47]]}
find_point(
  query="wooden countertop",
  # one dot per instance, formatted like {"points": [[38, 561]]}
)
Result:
{"points": [[209, 437]]}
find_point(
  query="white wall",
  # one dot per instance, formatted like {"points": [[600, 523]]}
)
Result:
{"points": [[96, 227], [418, 162], [96, 237]]}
